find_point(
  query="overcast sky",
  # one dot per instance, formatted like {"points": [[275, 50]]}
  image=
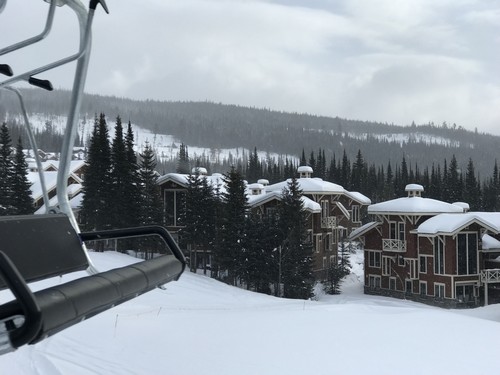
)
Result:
{"points": [[393, 61]]}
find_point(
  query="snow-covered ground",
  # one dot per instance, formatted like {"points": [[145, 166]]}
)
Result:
{"points": [[200, 326]]}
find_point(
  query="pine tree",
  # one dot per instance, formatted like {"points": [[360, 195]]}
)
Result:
{"points": [[151, 210], [183, 160], [6, 172], [454, 182], [259, 260], [345, 172], [358, 174], [254, 170], [21, 199], [119, 179], [296, 255], [232, 231], [303, 160], [133, 205], [472, 193], [94, 214], [200, 220]]}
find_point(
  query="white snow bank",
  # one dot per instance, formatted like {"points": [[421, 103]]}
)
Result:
{"points": [[200, 326]]}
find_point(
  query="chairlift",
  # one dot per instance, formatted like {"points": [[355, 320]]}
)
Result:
{"points": [[37, 247]]}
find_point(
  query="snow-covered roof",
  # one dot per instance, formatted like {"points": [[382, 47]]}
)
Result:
{"points": [[358, 197], [75, 202], [450, 224], [50, 182], [490, 243], [414, 187], [414, 205], [215, 180], [263, 181], [464, 205], [309, 186], [363, 230], [36, 186], [304, 169], [257, 200]]}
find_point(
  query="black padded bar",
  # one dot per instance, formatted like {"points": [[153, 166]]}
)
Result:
{"points": [[32, 324], [6, 70], [68, 304], [42, 83], [65, 305]]}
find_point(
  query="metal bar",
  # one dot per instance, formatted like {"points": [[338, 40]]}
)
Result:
{"points": [[34, 146], [81, 12], [36, 38]]}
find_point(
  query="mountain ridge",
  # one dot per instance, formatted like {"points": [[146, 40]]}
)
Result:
{"points": [[222, 126]]}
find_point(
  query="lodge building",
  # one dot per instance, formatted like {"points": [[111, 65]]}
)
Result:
{"points": [[431, 251], [331, 211]]}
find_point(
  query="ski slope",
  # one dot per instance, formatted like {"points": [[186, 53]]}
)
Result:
{"points": [[200, 326]]}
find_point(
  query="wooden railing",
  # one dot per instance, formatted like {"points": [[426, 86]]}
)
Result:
{"points": [[328, 222], [490, 276], [397, 246]]}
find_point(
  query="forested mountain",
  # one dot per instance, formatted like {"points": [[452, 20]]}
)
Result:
{"points": [[222, 126]]}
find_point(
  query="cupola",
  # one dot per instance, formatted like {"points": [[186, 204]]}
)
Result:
{"points": [[414, 190], [199, 171], [305, 171]]}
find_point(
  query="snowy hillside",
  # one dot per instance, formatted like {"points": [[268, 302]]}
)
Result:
{"points": [[166, 146], [200, 326]]}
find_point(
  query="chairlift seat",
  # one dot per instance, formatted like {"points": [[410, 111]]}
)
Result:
{"points": [[41, 246], [38, 247]]}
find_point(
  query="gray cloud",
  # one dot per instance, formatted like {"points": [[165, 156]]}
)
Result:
{"points": [[396, 62]]}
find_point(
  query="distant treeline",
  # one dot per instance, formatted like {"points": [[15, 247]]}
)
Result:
{"points": [[220, 126], [443, 181]]}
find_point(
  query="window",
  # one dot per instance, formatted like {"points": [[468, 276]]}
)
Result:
{"points": [[413, 268], [464, 292], [409, 286], [325, 208], [355, 214], [324, 263], [327, 241], [439, 290], [423, 264], [467, 253], [392, 283], [334, 236], [397, 230], [173, 201], [386, 266], [309, 236], [374, 259], [401, 260], [438, 256], [374, 281], [423, 288], [318, 242]]}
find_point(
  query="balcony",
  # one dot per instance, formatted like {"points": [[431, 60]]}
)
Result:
{"points": [[490, 276], [396, 246], [328, 222]]}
